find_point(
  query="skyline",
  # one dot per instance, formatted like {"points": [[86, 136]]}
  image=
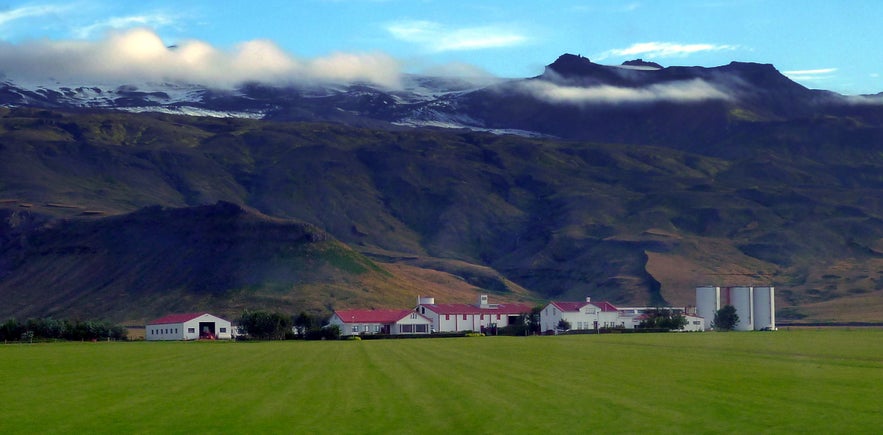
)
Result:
{"points": [[821, 45]]}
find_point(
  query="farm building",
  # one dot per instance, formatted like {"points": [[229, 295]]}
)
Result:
{"points": [[583, 316], [755, 306], [190, 326], [481, 317], [590, 315], [393, 322]]}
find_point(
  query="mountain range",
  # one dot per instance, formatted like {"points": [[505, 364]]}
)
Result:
{"points": [[632, 183]]}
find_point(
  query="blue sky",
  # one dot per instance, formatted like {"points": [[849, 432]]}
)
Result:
{"points": [[820, 44]]}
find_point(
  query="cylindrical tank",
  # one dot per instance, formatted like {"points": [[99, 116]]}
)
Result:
{"points": [[707, 303], [764, 308], [741, 299]]}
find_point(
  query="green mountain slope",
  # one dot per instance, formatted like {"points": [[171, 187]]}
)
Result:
{"points": [[793, 205]]}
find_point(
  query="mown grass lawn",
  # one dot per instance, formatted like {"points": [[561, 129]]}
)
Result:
{"points": [[813, 381]]}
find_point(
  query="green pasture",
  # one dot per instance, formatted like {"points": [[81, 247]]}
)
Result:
{"points": [[801, 381]]}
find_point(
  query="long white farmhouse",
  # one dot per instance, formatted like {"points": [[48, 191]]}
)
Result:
{"points": [[586, 315], [190, 326], [482, 317], [392, 322]]}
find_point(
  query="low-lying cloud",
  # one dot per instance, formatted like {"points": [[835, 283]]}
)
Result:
{"points": [[682, 91], [141, 55]]}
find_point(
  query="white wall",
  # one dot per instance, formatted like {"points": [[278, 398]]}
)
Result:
{"points": [[171, 331]]}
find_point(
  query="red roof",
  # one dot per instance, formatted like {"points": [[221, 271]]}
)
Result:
{"points": [[373, 316], [569, 307], [605, 306], [175, 318], [509, 309]]}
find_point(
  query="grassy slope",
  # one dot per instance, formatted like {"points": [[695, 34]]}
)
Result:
{"points": [[786, 382]]}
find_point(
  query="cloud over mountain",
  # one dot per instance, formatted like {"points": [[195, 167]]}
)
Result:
{"points": [[680, 91], [663, 49], [141, 55]]}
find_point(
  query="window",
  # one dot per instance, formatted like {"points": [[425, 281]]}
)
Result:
{"points": [[498, 317], [191, 330], [407, 328], [223, 330], [376, 328], [366, 328], [413, 315], [482, 317], [447, 317], [355, 328], [464, 317], [420, 328]]}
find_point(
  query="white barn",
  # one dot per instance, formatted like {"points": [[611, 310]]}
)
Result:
{"points": [[190, 326], [582, 316], [392, 322]]}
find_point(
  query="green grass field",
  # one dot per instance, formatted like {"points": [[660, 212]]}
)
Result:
{"points": [[799, 381]]}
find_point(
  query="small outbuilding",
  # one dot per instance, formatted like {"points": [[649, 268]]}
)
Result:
{"points": [[190, 326]]}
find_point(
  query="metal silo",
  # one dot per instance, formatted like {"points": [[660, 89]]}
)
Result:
{"points": [[707, 303], [741, 298], [764, 308]]}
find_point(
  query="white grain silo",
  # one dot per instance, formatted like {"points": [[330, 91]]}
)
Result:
{"points": [[764, 308], [741, 298], [707, 303]]}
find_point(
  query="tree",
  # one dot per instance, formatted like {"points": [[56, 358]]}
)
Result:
{"points": [[11, 330], [265, 326], [563, 325], [533, 320], [303, 322], [725, 319], [662, 318]]}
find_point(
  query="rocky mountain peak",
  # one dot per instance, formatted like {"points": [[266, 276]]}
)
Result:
{"points": [[641, 63], [569, 65]]}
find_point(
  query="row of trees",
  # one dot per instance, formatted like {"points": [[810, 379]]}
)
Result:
{"points": [[60, 329], [264, 325]]}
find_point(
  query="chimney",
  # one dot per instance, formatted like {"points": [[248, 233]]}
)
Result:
{"points": [[588, 299], [482, 301]]}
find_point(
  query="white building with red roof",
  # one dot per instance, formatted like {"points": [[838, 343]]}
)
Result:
{"points": [[392, 322], [586, 315], [466, 317], [190, 326]]}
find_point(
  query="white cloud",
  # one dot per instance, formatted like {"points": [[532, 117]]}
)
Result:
{"points": [[141, 55], [810, 74], [30, 11], [435, 37], [681, 91], [663, 49], [154, 21]]}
